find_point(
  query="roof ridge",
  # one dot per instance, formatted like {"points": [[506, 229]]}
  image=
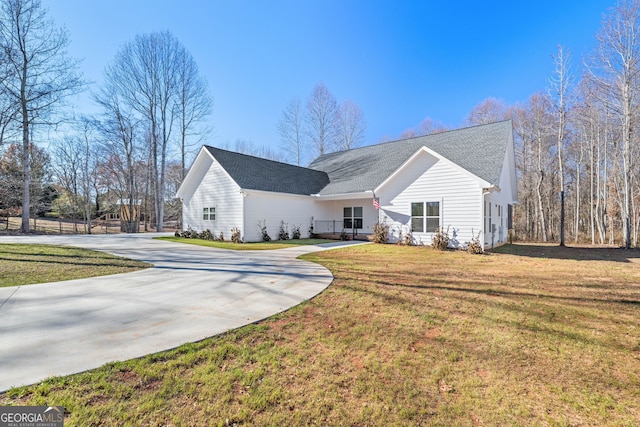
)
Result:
{"points": [[237, 153], [479, 149], [446, 131], [414, 138]]}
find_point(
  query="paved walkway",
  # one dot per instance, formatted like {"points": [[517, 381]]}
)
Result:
{"points": [[191, 293]]}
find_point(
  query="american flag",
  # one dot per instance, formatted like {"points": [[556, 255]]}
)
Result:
{"points": [[376, 203]]}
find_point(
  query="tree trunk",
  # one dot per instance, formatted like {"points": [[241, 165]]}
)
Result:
{"points": [[156, 187], [593, 211], [541, 219], [577, 219], [543, 227], [26, 171], [627, 134], [562, 218], [635, 222], [605, 189], [627, 200]]}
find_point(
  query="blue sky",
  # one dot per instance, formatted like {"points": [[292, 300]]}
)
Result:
{"points": [[400, 61]]}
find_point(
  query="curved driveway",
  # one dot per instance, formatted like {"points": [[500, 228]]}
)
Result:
{"points": [[191, 293]]}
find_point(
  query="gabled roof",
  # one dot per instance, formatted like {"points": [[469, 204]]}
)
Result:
{"points": [[478, 149], [254, 173]]}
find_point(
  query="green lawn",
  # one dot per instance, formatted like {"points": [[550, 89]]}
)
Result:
{"points": [[29, 264], [529, 335], [274, 244]]}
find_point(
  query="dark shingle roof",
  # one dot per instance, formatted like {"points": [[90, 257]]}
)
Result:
{"points": [[254, 173], [478, 149]]}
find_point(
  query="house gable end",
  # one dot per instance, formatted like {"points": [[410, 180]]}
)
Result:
{"points": [[195, 175], [418, 156], [479, 150]]}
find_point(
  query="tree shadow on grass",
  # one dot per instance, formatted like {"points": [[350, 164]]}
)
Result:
{"points": [[577, 253], [468, 287]]}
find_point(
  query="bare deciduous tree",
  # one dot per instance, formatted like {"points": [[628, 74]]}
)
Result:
{"points": [[75, 169], [322, 119], [67, 154], [321, 127], [428, 126], [247, 147], [120, 145], [559, 93], [616, 69], [541, 131], [194, 105], [37, 74], [291, 130], [145, 76], [490, 110], [352, 126]]}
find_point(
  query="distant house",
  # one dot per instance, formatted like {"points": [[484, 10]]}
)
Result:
{"points": [[462, 180], [129, 215]]}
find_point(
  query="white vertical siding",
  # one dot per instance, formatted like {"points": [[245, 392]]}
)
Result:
{"points": [[323, 210], [428, 179], [294, 210], [297, 210], [217, 190]]}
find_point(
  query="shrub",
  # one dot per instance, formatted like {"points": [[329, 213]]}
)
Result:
{"points": [[235, 235], [207, 235], [408, 239], [441, 239], [344, 235], [405, 239], [295, 232], [189, 233], [380, 233], [221, 237], [474, 246], [283, 234], [263, 230]]}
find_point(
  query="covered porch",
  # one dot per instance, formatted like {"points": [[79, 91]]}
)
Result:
{"points": [[345, 216]]}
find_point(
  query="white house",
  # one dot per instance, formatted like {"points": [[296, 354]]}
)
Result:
{"points": [[462, 180]]}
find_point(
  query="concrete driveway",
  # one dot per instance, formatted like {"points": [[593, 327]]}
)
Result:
{"points": [[190, 294]]}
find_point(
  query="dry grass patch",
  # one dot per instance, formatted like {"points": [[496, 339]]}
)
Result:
{"points": [[528, 335], [26, 264]]}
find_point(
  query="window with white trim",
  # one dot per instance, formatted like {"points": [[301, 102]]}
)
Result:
{"points": [[417, 217], [425, 217], [209, 214], [352, 217]]}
